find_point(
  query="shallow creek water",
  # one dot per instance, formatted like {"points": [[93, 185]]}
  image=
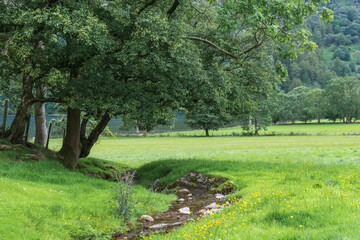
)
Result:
{"points": [[165, 221]]}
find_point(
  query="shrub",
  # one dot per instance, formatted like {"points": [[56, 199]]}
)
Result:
{"points": [[123, 191], [247, 133], [107, 133]]}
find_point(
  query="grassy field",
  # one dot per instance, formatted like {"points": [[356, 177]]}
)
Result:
{"points": [[298, 129], [287, 187]]}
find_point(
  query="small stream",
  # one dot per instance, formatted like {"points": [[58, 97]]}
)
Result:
{"points": [[197, 200]]}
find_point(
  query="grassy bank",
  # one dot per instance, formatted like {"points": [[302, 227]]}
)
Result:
{"points": [[43, 200]]}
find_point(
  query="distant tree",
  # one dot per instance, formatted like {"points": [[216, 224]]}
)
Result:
{"points": [[329, 28], [295, 70], [340, 39], [209, 114], [312, 71], [353, 29], [209, 105], [343, 97], [315, 103], [351, 14], [295, 83], [298, 97], [340, 68], [337, 29], [282, 108], [317, 36], [260, 115], [356, 57], [343, 53], [352, 66]]}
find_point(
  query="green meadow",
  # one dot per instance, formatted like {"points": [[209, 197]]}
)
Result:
{"points": [[287, 187], [288, 129]]}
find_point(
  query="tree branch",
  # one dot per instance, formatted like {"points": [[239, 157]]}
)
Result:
{"points": [[173, 8], [236, 56], [239, 66], [83, 127], [213, 45], [152, 2], [202, 13], [43, 100], [88, 143]]}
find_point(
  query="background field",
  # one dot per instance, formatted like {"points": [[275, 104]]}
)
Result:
{"points": [[298, 129], [181, 129]]}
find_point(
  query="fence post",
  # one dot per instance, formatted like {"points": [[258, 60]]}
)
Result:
{"points": [[48, 136]]}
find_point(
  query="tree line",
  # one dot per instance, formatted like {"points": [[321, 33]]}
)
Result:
{"points": [[340, 100]]}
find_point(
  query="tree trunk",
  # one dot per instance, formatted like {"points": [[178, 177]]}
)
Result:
{"points": [[318, 118], [256, 128], [88, 143], [16, 132], [293, 121], [349, 119], [40, 119], [207, 132], [70, 151]]}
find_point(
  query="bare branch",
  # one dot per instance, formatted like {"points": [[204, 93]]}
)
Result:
{"points": [[202, 13], [213, 45], [240, 65], [236, 56]]}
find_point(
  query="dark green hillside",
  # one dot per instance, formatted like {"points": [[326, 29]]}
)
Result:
{"points": [[338, 54]]}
